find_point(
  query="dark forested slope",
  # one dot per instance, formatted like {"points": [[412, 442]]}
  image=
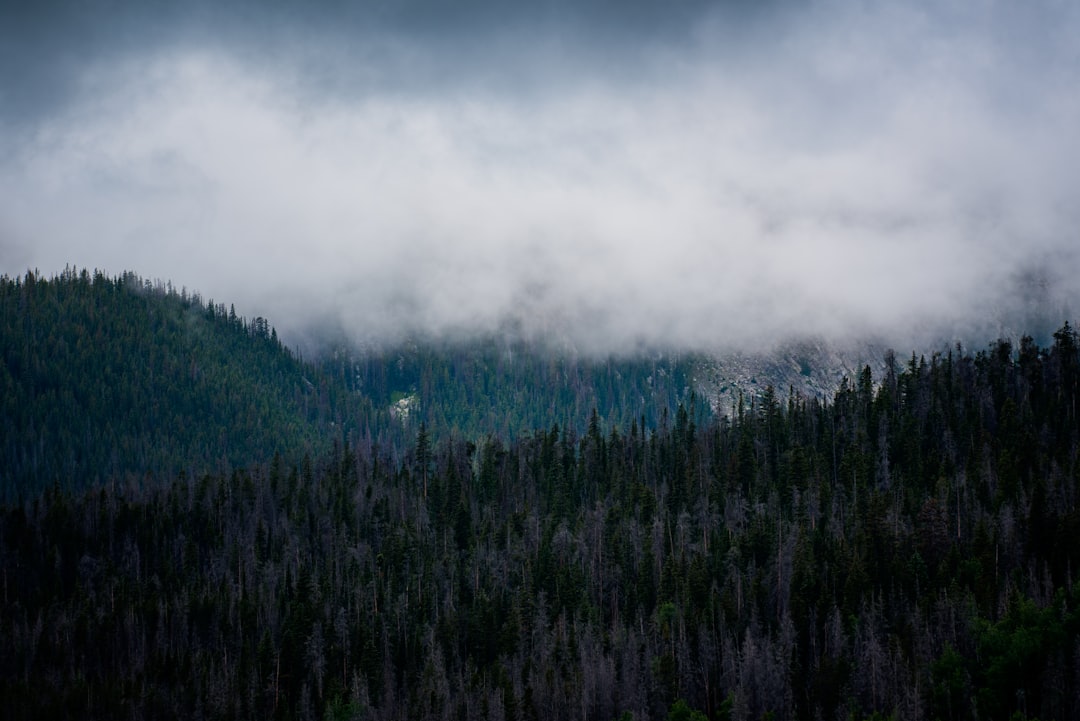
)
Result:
{"points": [[107, 378], [907, 550], [506, 386], [117, 378]]}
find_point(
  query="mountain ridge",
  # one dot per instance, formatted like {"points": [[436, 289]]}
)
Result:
{"points": [[112, 378]]}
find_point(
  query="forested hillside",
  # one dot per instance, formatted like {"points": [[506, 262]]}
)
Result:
{"points": [[114, 379], [117, 378], [908, 550], [506, 385]]}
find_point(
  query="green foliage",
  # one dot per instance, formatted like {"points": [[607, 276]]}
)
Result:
{"points": [[681, 711], [723, 713], [951, 684], [1014, 653], [339, 709], [906, 549], [105, 379], [505, 386]]}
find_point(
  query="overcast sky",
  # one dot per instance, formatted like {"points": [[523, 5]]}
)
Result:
{"points": [[705, 174]]}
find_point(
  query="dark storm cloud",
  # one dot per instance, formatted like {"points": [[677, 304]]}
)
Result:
{"points": [[622, 173], [45, 46]]}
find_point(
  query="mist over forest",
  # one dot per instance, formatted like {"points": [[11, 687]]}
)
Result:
{"points": [[536, 361], [703, 174], [197, 523]]}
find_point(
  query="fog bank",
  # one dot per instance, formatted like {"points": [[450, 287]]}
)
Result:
{"points": [[717, 177]]}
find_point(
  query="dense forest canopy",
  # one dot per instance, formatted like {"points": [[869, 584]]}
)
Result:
{"points": [[102, 378], [105, 379], [907, 548]]}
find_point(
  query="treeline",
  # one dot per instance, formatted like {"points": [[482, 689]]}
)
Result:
{"points": [[105, 378], [907, 550], [506, 386]]}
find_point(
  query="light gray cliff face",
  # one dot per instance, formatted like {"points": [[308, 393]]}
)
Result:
{"points": [[807, 368]]}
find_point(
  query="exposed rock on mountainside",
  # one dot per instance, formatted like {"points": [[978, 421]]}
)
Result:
{"points": [[808, 368]]}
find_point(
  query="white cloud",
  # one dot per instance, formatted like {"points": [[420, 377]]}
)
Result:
{"points": [[868, 171]]}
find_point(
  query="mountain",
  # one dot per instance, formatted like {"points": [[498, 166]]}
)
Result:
{"points": [[811, 369], [116, 378], [503, 385], [120, 379], [904, 549]]}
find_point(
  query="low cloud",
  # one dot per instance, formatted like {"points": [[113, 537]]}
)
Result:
{"points": [[835, 171]]}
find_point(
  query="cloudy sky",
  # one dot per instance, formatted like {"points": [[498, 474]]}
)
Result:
{"points": [[710, 174]]}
